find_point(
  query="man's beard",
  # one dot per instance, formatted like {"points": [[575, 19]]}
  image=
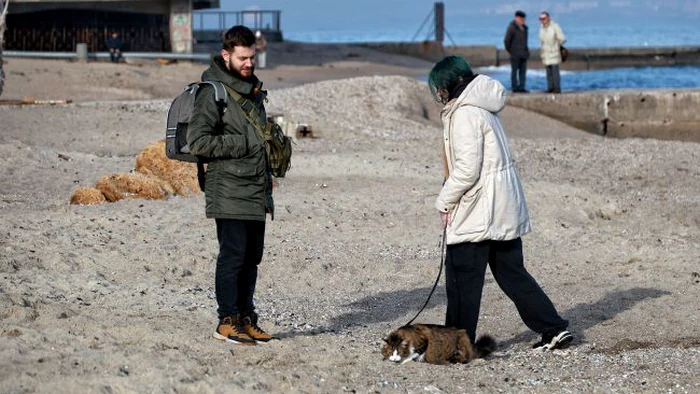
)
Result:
{"points": [[238, 74]]}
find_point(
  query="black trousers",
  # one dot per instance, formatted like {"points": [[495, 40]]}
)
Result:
{"points": [[518, 74], [115, 56], [465, 267], [240, 252], [553, 79]]}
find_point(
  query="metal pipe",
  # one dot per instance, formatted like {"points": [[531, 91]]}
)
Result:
{"points": [[45, 55], [105, 55]]}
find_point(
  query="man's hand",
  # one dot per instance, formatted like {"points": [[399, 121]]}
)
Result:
{"points": [[446, 219]]}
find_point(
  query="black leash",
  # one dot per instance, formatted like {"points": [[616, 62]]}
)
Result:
{"points": [[443, 250]]}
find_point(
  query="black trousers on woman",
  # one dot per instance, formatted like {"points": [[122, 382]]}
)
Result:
{"points": [[240, 251], [465, 267]]}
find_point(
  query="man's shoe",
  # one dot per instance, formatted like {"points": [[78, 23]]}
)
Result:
{"points": [[553, 341], [231, 330], [250, 326]]}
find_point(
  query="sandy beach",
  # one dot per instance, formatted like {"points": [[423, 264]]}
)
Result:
{"points": [[119, 297]]}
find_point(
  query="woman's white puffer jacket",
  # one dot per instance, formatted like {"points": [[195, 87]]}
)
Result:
{"points": [[483, 191]]}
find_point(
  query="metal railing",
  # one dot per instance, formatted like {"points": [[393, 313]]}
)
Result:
{"points": [[105, 55], [221, 20]]}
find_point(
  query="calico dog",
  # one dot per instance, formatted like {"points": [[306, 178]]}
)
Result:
{"points": [[434, 344]]}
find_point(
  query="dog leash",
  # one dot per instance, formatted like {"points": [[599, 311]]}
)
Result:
{"points": [[443, 251]]}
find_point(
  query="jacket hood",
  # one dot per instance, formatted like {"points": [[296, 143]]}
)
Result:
{"points": [[483, 92], [217, 71]]}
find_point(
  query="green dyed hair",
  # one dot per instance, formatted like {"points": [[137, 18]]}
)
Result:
{"points": [[447, 74]]}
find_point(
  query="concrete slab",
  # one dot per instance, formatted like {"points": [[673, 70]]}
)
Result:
{"points": [[660, 114]]}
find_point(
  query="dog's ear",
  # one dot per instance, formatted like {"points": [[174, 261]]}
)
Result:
{"points": [[386, 339]]}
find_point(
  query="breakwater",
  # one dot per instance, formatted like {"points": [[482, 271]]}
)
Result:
{"points": [[660, 114], [579, 58]]}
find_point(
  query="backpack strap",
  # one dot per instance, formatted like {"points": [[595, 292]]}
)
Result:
{"points": [[220, 96], [249, 109], [221, 99]]}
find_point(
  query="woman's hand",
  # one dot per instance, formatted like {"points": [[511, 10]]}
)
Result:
{"points": [[446, 219]]}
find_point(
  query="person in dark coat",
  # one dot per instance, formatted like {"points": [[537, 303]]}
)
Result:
{"points": [[238, 186], [515, 43], [114, 46]]}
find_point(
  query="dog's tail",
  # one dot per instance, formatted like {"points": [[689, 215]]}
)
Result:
{"points": [[484, 346]]}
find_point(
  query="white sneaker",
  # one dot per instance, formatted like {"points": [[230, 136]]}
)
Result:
{"points": [[559, 340]]}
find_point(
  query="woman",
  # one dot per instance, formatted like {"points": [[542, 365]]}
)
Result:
{"points": [[482, 206]]}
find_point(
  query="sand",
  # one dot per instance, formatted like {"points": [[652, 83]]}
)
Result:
{"points": [[119, 297]]}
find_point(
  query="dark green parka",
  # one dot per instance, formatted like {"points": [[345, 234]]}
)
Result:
{"points": [[238, 183]]}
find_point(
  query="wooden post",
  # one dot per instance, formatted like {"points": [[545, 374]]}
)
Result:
{"points": [[440, 22]]}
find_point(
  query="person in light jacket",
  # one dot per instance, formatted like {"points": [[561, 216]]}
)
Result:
{"points": [[482, 206], [551, 40]]}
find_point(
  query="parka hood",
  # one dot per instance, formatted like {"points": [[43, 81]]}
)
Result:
{"points": [[483, 92]]}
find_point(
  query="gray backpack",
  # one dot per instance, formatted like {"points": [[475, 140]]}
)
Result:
{"points": [[179, 114]]}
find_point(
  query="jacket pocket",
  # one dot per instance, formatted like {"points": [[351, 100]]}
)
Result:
{"points": [[470, 216], [235, 179], [241, 169]]}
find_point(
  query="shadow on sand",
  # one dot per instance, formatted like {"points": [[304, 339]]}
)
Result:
{"points": [[589, 314], [378, 308], [390, 306]]}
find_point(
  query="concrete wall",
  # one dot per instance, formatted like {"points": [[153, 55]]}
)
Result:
{"points": [[662, 114], [146, 6], [604, 58], [179, 13], [434, 51], [579, 58], [181, 26], [142, 6]]}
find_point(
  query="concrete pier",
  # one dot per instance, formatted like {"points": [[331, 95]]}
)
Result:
{"points": [[605, 58], [660, 114], [579, 58]]}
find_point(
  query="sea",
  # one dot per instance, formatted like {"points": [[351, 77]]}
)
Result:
{"points": [[609, 35]]}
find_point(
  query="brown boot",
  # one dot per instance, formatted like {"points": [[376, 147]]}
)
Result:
{"points": [[250, 326], [231, 330]]}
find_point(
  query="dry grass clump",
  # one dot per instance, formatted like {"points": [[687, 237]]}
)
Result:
{"points": [[87, 196], [180, 175], [156, 178], [116, 187]]}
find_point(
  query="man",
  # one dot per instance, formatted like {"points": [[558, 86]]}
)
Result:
{"points": [[238, 185], [261, 49], [516, 45], [551, 40], [114, 46]]}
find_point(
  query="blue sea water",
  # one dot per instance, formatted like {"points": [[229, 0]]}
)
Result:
{"points": [[587, 24], [579, 36], [677, 77]]}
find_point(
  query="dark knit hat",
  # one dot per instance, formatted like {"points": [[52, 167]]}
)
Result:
{"points": [[520, 14]]}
